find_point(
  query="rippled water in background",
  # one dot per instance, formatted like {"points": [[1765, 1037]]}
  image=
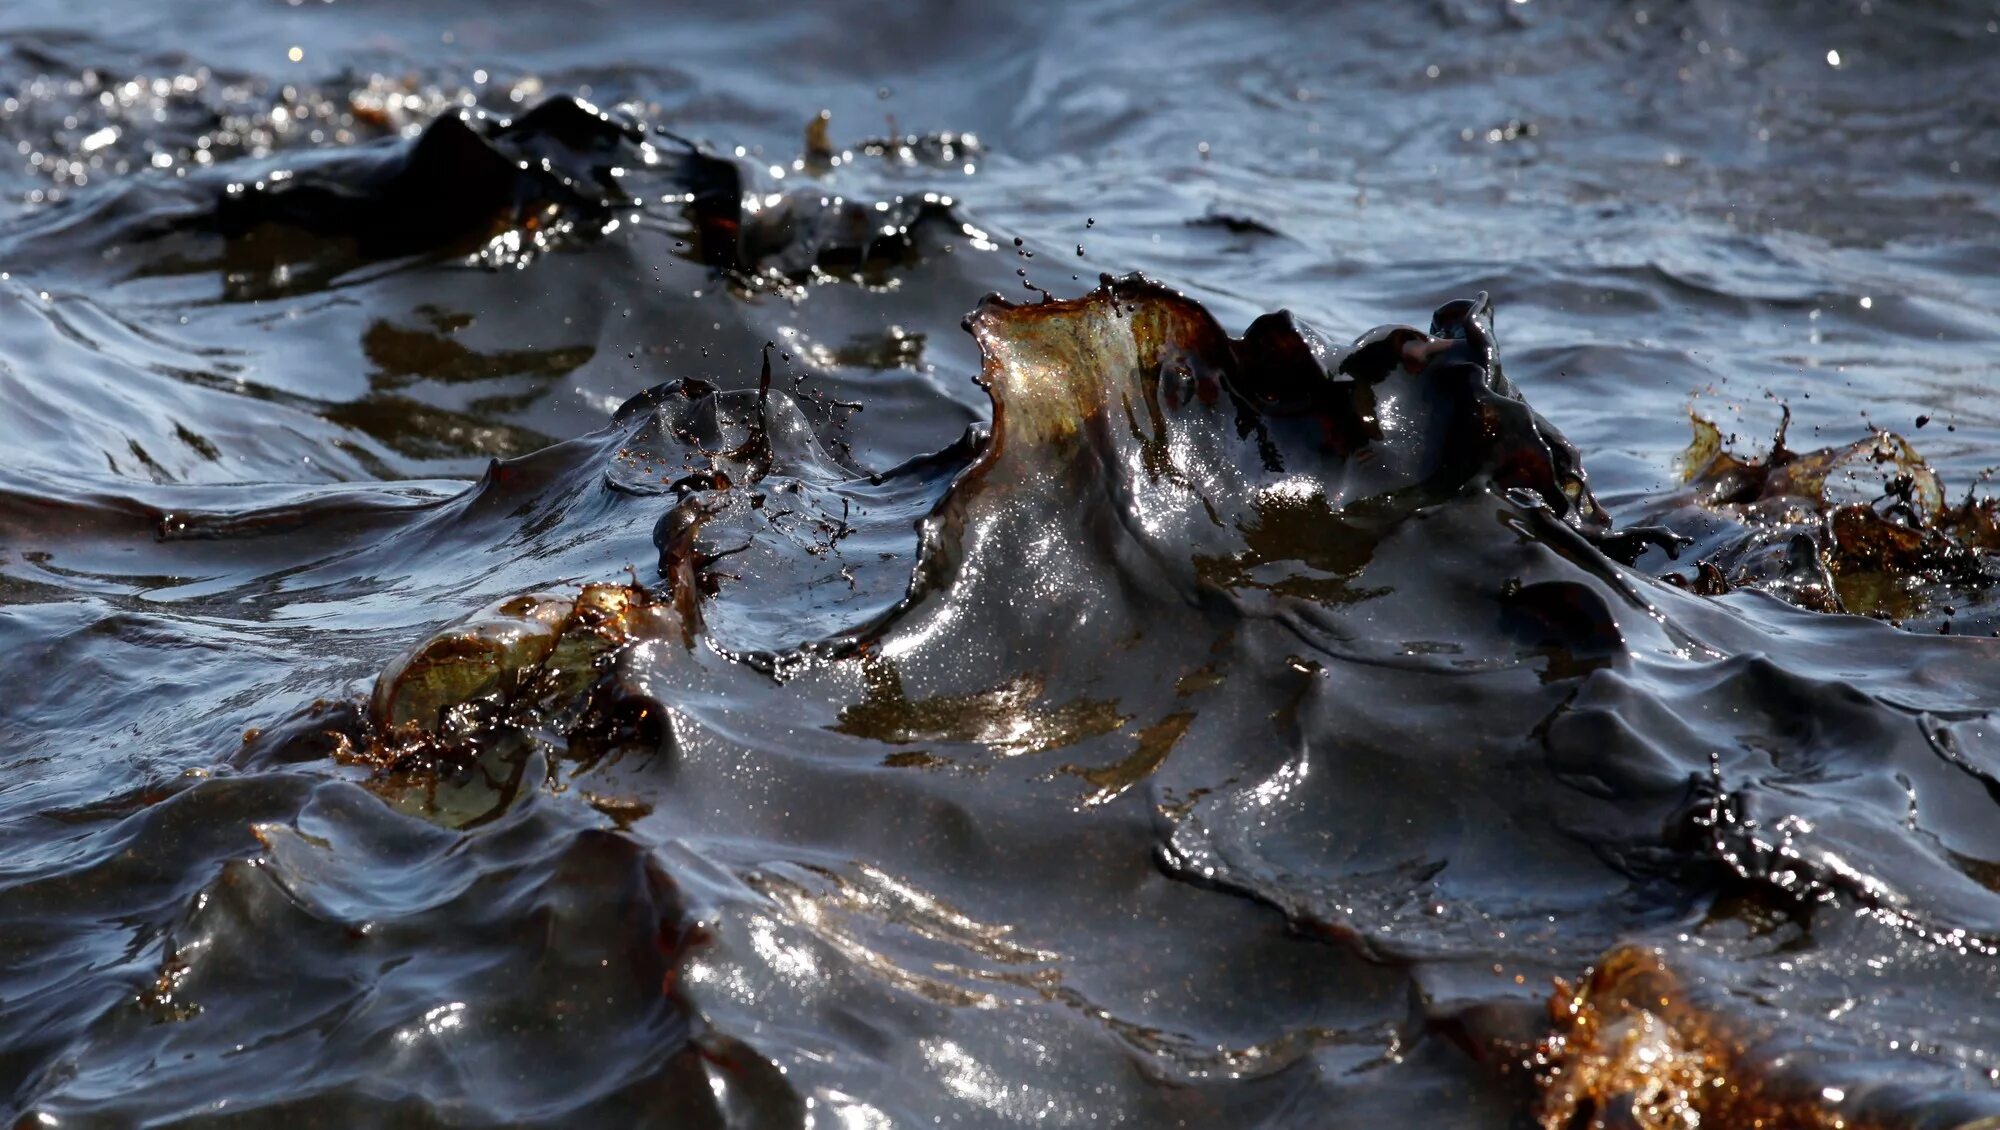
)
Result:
{"points": [[1173, 792]]}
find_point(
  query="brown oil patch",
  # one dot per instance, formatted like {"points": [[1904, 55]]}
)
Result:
{"points": [[1009, 718], [1863, 528], [1206, 677], [1155, 743], [456, 723], [1035, 357], [403, 355], [1632, 1051], [914, 759], [624, 811]]}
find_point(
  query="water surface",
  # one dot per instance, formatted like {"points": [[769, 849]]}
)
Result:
{"points": [[1126, 755]]}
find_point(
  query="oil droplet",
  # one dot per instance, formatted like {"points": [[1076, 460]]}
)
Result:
{"points": [[1833, 58], [295, 54]]}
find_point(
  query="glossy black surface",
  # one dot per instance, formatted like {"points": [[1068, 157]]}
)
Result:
{"points": [[1153, 737]]}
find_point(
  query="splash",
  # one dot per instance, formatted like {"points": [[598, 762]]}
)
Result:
{"points": [[1864, 528]]}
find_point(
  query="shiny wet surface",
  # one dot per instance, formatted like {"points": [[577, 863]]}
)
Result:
{"points": [[1189, 781]]}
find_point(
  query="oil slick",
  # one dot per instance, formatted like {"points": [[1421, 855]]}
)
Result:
{"points": [[1863, 528]]}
